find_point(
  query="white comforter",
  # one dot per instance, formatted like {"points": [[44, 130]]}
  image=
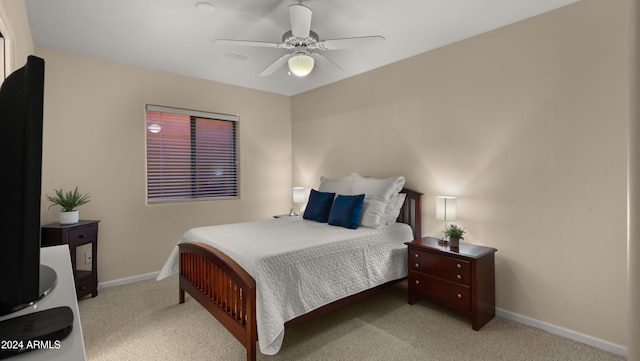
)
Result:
{"points": [[300, 265]]}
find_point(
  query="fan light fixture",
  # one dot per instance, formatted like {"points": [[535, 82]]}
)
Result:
{"points": [[301, 64], [303, 43]]}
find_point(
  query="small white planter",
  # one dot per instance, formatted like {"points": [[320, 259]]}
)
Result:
{"points": [[69, 217]]}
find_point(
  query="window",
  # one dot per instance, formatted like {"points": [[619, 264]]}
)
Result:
{"points": [[190, 154]]}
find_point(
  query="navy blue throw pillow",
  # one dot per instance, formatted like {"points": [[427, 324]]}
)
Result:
{"points": [[346, 211], [319, 206]]}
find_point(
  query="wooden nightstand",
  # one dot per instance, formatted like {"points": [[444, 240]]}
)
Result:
{"points": [[75, 235], [461, 278]]}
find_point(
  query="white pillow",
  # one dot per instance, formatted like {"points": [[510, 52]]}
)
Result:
{"points": [[377, 188], [342, 186], [373, 211], [392, 211], [378, 193]]}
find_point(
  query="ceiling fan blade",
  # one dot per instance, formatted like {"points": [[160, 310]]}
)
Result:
{"points": [[300, 17], [325, 60], [346, 43], [276, 65], [262, 44]]}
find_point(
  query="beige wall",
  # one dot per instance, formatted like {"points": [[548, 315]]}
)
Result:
{"points": [[94, 138], [14, 25], [526, 125], [634, 186]]}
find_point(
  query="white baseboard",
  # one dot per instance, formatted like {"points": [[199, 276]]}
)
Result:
{"points": [[557, 330], [560, 331], [124, 281]]}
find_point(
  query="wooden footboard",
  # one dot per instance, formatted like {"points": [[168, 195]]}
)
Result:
{"points": [[224, 288]]}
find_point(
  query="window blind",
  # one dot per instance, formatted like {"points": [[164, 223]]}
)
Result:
{"points": [[190, 154]]}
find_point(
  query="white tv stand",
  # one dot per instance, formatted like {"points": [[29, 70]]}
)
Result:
{"points": [[63, 294]]}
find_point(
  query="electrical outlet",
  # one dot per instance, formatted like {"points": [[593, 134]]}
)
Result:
{"points": [[88, 257]]}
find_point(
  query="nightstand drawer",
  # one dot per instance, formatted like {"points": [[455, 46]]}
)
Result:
{"points": [[82, 235], [86, 283], [448, 268], [449, 292]]}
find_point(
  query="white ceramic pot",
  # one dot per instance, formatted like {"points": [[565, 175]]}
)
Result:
{"points": [[69, 217]]}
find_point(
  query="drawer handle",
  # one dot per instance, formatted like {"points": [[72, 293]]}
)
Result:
{"points": [[459, 277], [83, 235], [417, 265], [459, 295], [417, 282], [416, 255], [459, 265]]}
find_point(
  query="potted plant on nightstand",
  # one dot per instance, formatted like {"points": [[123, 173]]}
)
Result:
{"points": [[455, 235], [68, 201]]}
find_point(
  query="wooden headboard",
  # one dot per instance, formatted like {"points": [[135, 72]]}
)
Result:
{"points": [[411, 211]]}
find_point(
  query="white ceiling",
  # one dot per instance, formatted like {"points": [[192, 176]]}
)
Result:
{"points": [[173, 36]]}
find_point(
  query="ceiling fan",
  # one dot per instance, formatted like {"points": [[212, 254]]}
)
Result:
{"points": [[303, 43]]}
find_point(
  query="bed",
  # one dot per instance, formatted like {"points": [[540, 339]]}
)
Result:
{"points": [[253, 290]]}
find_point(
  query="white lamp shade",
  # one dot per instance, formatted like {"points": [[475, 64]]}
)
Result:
{"points": [[446, 208], [298, 194], [301, 64]]}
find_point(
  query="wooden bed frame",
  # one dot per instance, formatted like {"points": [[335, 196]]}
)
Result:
{"points": [[228, 292]]}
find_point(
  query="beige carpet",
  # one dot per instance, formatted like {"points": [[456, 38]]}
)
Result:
{"points": [[143, 321]]}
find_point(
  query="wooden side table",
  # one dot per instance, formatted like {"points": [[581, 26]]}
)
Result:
{"points": [[460, 278], [75, 235]]}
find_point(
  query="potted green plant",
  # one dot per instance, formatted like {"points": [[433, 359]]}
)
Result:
{"points": [[455, 235], [69, 201]]}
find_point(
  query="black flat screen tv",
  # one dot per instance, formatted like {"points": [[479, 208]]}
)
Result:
{"points": [[21, 116]]}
